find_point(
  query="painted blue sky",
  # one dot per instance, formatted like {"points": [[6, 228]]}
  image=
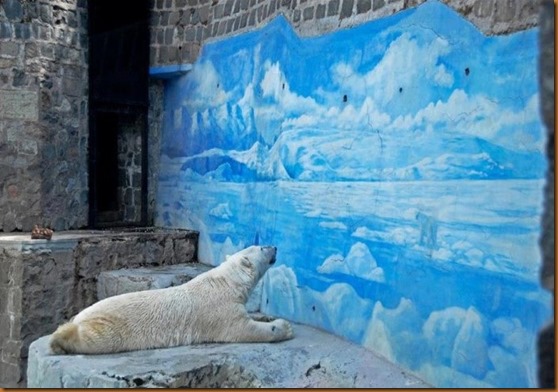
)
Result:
{"points": [[404, 99]]}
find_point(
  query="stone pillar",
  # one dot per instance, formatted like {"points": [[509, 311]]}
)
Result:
{"points": [[43, 114]]}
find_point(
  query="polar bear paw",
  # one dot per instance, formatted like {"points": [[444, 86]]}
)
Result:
{"points": [[281, 329]]}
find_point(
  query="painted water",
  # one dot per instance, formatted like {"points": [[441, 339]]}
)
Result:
{"points": [[423, 267]]}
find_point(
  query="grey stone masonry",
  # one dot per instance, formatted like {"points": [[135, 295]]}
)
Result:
{"points": [[179, 28], [44, 283], [313, 359], [43, 114], [155, 125]]}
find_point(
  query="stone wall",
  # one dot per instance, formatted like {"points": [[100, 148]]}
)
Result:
{"points": [[154, 125], [129, 171], [43, 283], [546, 342], [43, 114], [180, 27]]}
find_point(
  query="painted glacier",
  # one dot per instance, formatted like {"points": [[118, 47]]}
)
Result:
{"points": [[398, 167]]}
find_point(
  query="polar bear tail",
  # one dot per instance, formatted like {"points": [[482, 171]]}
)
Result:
{"points": [[65, 339]]}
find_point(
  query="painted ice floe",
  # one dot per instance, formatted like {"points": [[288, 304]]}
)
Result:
{"points": [[358, 262], [221, 211]]}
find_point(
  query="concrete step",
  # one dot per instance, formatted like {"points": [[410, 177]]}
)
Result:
{"points": [[312, 359], [110, 283]]}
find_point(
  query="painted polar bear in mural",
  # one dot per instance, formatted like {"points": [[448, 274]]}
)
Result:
{"points": [[208, 308]]}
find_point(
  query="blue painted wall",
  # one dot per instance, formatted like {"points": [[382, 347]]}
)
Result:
{"points": [[397, 166]]}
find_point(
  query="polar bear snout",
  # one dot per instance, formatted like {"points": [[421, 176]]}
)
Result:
{"points": [[272, 251]]}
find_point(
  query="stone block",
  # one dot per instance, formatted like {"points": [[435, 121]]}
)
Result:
{"points": [[483, 8], [110, 283], [218, 11], [204, 14], [320, 11], [377, 4], [332, 7], [346, 9], [312, 359], [11, 350], [4, 291], [22, 31], [363, 6], [308, 13], [9, 48], [504, 10], [19, 105], [228, 7], [10, 375], [13, 10]]}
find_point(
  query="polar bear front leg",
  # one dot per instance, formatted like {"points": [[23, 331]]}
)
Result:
{"points": [[259, 331]]}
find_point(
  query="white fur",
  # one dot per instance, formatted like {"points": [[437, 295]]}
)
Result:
{"points": [[209, 308]]}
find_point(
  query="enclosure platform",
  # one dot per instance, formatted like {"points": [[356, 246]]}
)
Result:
{"points": [[312, 359], [45, 282]]}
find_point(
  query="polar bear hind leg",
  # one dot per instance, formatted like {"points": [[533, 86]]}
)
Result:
{"points": [[93, 336]]}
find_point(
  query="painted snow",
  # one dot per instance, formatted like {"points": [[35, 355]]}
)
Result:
{"points": [[398, 167]]}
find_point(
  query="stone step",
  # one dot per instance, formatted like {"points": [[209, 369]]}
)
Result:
{"points": [[110, 283], [127, 280], [45, 282], [312, 359]]}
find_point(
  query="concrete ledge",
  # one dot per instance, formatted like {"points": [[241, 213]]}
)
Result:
{"points": [[122, 281], [312, 359], [170, 71]]}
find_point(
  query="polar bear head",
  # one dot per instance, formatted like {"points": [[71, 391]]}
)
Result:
{"points": [[249, 265]]}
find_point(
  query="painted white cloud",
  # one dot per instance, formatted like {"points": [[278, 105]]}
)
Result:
{"points": [[477, 115], [208, 88], [349, 117], [275, 85], [359, 262], [295, 111], [419, 65]]}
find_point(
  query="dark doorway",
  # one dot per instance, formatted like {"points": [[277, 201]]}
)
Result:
{"points": [[118, 103]]}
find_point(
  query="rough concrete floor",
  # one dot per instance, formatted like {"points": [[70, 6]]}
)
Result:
{"points": [[313, 359]]}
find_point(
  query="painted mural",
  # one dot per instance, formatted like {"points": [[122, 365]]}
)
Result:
{"points": [[398, 167]]}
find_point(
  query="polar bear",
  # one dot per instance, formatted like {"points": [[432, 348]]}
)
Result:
{"points": [[208, 308]]}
